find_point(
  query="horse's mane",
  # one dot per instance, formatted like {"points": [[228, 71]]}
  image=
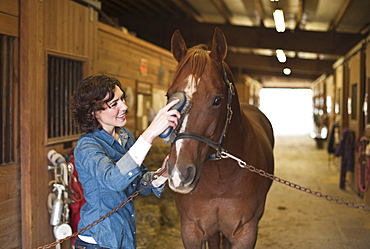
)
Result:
{"points": [[197, 57]]}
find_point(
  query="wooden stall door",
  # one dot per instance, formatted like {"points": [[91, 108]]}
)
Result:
{"points": [[355, 109], [10, 218]]}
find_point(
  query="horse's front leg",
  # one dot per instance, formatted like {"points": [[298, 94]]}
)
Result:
{"points": [[246, 236], [193, 236]]}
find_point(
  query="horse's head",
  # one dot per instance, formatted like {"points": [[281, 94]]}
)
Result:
{"points": [[201, 75]]}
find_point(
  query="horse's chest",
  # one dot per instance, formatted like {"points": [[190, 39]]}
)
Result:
{"points": [[224, 181]]}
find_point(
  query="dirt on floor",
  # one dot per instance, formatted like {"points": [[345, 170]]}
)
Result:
{"points": [[292, 219]]}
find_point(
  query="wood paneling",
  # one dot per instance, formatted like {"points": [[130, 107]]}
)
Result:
{"points": [[68, 28], [10, 7], [65, 28], [9, 25], [10, 216], [119, 54]]}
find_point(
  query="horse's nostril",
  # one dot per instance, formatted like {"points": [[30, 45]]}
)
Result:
{"points": [[189, 178]]}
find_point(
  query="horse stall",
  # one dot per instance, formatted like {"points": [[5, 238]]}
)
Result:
{"points": [[10, 196], [351, 78], [330, 100], [47, 47], [248, 90], [320, 115], [367, 121]]}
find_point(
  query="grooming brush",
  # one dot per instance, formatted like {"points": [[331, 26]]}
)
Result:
{"points": [[183, 106]]}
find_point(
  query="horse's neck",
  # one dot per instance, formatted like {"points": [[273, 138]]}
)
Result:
{"points": [[238, 130]]}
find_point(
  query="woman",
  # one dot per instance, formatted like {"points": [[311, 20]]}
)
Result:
{"points": [[109, 161]]}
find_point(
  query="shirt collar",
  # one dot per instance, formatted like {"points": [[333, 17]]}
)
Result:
{"points": [[104, 135]]}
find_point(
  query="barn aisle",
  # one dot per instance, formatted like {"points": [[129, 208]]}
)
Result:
{"points": [[293, 219]]}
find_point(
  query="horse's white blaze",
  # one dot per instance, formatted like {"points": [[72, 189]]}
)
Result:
{"points": [[176, 178], [189, 90]]}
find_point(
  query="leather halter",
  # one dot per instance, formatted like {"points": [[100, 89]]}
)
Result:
{"points": [[215, 145]]}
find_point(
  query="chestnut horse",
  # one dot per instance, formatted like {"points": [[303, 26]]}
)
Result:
{"points": [[218, 201]]}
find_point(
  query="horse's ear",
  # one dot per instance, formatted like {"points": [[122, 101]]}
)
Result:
{"points": [[178, 46], [219, 46]]}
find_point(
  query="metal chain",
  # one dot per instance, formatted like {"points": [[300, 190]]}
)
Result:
{"points": [[263, 173], [242, 164], [130, 198]]}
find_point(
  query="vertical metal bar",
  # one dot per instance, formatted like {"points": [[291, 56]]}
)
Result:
{"points": [[51, 98], [61, 99], [11, 98], [60, 90], [57, 98], [3, 104], [70, 92], [64, 83]]}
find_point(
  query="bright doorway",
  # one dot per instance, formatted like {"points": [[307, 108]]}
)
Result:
{"points": [[289, 110]]}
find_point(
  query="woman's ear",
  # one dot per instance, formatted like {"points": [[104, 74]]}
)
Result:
{"points": [[96, 114]]}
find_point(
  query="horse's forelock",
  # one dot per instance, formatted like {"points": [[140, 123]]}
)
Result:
{"points": [[197, 57]]}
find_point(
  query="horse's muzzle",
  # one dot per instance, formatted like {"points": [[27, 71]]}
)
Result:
{"points": [[183, 181]]}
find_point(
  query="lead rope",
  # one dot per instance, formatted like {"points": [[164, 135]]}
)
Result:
{"points": [[130, 198], [242, 164], [263, 173]]}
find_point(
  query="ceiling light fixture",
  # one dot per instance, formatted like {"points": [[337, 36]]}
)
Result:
{"points": [[287, 71], [280, 55], [279, 20]]}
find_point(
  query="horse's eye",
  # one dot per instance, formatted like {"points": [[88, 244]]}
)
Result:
{"points": [[217, 101]]}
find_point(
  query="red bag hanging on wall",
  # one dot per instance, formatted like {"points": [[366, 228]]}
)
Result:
{"points": [[78, 198]]}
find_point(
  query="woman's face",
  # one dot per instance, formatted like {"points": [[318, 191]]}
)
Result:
{"points": [[114, 114]]}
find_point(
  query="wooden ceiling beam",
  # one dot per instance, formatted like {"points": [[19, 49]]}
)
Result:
{"points": [[160, 32], [253, 61], [342, 11], [258, 74], [222, 9], [266, 65], [188, 9]]}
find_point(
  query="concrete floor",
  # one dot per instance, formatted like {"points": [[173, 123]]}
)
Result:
{"points": [[293, 219]]}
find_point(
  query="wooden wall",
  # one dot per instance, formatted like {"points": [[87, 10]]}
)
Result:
{"points": [[248, 90], [60, 27], [350, 86], [121, 55], [68, 29], [10, 216], [320, 116]]}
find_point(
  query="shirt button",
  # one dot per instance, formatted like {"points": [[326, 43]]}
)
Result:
{"points": [[133, 184], [132, 215], [130, 173]]}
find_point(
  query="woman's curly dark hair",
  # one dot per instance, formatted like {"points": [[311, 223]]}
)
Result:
{"points": [[90, 97]]}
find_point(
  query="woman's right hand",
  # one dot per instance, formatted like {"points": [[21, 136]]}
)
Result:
{"points": [[165, 118]]}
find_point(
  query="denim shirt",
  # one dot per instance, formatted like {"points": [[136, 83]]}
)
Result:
{"points": [[109, 175]]}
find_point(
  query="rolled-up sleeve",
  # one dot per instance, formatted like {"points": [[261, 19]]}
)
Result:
{"points": [[116, 176]]}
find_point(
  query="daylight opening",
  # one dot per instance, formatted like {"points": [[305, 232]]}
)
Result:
{"points": [[289, 110]]}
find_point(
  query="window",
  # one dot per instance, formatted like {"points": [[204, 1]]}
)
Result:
{"points": [[63, 76]]}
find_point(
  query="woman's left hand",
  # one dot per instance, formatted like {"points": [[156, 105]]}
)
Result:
{"points": [[163, 169]]}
